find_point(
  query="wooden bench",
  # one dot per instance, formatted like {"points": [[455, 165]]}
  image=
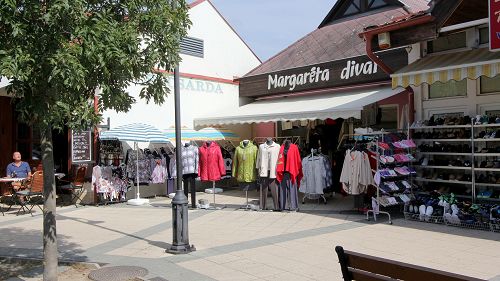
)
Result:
{"points": [[360, 267]]}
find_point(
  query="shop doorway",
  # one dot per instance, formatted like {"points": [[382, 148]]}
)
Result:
{"points": [[387, 117]]}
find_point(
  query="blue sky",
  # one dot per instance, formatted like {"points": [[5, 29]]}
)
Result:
{"points": [[269, 26]]}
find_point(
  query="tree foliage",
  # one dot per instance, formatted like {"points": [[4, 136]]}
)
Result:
{"points": [[58, 52]]}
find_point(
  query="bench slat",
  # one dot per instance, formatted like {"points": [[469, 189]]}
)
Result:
{"points": [[361, 275], [400, 270]]}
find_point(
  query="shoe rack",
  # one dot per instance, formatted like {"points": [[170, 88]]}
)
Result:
{"points": [[384, 197], [483, 158]]}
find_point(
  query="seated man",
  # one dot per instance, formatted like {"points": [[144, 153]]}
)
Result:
{"points": [[18, 169]]}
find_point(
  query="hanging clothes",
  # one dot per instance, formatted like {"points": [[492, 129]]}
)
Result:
{"points": [[315, 176], [356, 173], [267, 159], [211, 163], [190, 159], [290, 163], [159, 174], [244, 162]]}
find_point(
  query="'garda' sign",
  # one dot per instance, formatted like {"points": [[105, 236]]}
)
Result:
{"points": [[494, 12]]}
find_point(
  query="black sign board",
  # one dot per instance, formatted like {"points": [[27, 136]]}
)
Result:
{"points": [[350, 71], [81, 146]]}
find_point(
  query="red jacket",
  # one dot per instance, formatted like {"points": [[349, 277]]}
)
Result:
{"points": [[211, 164], [293, 164]]}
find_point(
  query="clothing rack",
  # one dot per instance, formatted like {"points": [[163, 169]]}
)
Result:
{"points": [[294, 139], [312, 196], [373, 136]]}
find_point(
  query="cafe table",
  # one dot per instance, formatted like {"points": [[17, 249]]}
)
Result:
{"points": [[7, 180]]}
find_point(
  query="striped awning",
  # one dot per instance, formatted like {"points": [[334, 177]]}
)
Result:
{"points": [[470, 64], [205, 134]]}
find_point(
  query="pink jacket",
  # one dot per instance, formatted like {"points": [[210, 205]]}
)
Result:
{"points": [[211, 164]]}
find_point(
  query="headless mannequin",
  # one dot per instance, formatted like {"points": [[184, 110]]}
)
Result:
{"points": [[245, 143], [268, 184], [190, 184], [288, 191]]}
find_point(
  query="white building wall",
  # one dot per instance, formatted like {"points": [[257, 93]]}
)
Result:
{"points": [[226, 56]]}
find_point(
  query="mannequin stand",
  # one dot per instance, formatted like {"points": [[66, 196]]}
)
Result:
{"points": [[214, 206], [248, 206]]}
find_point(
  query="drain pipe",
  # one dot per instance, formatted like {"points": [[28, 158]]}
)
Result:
{"points": [[369, 34]]}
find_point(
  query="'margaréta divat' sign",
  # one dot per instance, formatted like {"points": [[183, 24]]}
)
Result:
{"points": [[350, 71]]}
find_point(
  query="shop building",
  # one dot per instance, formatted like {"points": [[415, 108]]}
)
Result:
{"points": [[213, 56], [18, 136], [454, 74], [325, 78]]}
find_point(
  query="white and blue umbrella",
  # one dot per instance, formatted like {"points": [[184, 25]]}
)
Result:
{"points": [[136, 132]]}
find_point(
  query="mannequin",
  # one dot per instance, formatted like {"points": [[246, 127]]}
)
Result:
{"points": [[190, 160], [244, 165], [289, 174], [266, 164]]}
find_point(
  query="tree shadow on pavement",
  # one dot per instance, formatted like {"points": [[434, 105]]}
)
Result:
{"points": [[160, 244], [25, 247]]}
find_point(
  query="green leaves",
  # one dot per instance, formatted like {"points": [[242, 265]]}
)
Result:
{"points": [[59, 53]]}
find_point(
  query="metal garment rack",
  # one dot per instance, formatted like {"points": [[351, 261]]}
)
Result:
{"points": [[311, 196], [342, 140]]}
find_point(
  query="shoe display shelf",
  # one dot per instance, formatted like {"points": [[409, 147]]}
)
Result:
{"points": [[484, 165], [412, 216], [385, 197]]}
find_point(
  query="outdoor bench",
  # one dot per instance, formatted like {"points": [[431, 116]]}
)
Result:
{"points": [[361, 267]]}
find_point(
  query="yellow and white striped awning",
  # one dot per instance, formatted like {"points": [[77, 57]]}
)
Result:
{"points": [[470, 64]]}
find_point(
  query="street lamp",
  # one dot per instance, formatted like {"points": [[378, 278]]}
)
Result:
{"points": [[180, 243]]}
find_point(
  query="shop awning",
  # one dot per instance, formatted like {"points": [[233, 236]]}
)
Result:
{"points": [[454, 66], [335, 105], [213, 134]]}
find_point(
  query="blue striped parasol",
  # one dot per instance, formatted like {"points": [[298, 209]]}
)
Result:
{"points": [[135, 132]]}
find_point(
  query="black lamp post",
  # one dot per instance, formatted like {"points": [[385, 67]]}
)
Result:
{"points": [[180, 243]]}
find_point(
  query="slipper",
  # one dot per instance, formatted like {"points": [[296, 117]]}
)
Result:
{"points": [[428, 213], [421, 210], [447, 218]]}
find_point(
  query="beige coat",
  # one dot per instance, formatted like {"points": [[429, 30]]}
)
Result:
{"points": [[356, 173], [267, 159]]}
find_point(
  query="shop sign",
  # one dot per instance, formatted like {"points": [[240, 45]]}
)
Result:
{"points": [[494, 12], [344, 72], [195, 85], [81, 146]]}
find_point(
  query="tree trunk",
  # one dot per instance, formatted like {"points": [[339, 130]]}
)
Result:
{"points": [[50, 254]]}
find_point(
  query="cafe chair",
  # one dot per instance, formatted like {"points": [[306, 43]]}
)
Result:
{"points": [[33, 194], [75, 187]]}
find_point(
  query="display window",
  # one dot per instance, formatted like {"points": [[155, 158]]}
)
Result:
{"points": [[449, 89], [489, 85]]}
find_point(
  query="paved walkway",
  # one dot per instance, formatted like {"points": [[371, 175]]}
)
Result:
{"points": [[245, 245]]}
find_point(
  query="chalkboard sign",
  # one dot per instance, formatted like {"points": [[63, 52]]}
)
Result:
{"points": [[81, 146]]}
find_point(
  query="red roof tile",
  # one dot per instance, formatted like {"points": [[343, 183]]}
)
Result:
{"points": [[335, 41]]}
